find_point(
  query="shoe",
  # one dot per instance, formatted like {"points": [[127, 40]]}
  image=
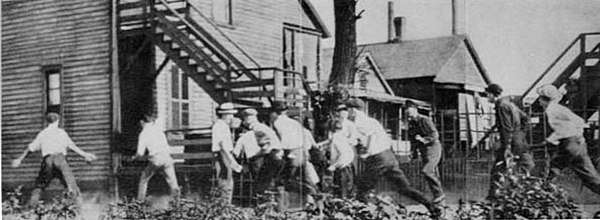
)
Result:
{"points": [[435, 211]]}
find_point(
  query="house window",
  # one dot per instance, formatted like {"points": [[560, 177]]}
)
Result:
{"points": [[222, 10], [180, 102], [301, 52], [53, 89]]}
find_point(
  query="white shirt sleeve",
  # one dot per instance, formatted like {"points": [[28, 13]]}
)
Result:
{"points": [[36, 144]]}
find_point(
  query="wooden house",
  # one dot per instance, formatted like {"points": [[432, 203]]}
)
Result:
{"points": [[381, 101], [102, 64], [444, 71]]}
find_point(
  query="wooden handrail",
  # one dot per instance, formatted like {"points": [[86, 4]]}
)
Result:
{"points": [[580, 37], [551, 66]]}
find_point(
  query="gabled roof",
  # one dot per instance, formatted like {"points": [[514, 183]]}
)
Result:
{"points": [[315, 18], [450, 60], [378, 89]]}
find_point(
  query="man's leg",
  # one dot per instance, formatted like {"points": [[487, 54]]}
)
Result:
{"points": [[346, 183], [366, 181], [395, 175], [431, 159], [171, 179], [224, 179], [61, 164], [582, 164], [145, 177], [44, 177], [498, 168], [519, 145]]}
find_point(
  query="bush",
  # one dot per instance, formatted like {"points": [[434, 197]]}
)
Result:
{"points": [[524, 196], [61, 208]]}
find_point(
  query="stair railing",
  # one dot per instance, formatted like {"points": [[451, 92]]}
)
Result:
{"points": [[213, 45], [580, 40]]}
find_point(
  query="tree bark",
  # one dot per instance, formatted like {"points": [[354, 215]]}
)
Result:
{"points": [[344, 51]]}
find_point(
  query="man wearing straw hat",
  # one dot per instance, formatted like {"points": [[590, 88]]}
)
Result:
{"points": [[568, 135], [222, 146]]}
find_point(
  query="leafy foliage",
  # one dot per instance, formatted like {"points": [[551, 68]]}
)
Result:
{"points": [[61, 208], [524, 196]]}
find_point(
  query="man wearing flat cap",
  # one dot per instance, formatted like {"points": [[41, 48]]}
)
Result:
{"points": [[222, 146], [380, 160], [511, 122], [568, 135], [262, 148], [425, 137], [293, 139]]}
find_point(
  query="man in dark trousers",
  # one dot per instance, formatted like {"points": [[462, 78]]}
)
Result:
{"points": [[425, 137], [567, 134], [380, 160], [511, 123], [53, 143]]}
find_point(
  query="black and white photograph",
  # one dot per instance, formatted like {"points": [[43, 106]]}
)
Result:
{"points": [[300, 109]]}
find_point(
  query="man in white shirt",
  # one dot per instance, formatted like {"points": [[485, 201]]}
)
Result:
{"points": [[53, 143], [222, 146], [380, 160], [154, 142], [295, 141], [568, 135], [341, 162], [262, 148]]}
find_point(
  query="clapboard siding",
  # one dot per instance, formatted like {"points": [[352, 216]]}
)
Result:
{"points": [[74, 34], [257, 28]]}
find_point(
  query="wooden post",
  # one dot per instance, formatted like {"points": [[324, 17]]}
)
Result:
{"points": [[115, 94]]}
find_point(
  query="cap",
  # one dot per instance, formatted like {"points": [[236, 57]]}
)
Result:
{"points": [[226, 108], [249, 112], [294, 112], [356, 103], [341, 107], [550, 92], [494, 89], [280, 106], [410, 104]]}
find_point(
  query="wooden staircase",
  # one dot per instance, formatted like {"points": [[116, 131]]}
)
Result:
{"points": [[580, 75], [209, 56]]}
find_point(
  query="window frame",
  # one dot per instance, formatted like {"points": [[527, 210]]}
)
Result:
{"points": [[46, 71], [228, 22], [180, 101]]}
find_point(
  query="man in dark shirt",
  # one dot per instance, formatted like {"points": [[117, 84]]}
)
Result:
{"points": [[425, 137], [511, 123]]}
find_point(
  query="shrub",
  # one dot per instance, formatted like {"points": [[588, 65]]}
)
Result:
{"points": [[61, 208]]}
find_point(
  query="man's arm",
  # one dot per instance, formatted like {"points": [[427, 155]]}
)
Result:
{"points": [[432, 133], [17, 162], [33, 146], [88, 156]]}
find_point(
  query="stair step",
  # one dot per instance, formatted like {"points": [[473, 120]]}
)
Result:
{"points": [[244, 84], [249, 102], [131, 5], [252, 94], [592, 55]]}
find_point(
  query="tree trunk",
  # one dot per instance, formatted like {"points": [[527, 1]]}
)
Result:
{"points": [[344, 51]]}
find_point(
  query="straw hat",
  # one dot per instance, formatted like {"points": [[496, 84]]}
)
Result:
{"points": [[226, 108]]}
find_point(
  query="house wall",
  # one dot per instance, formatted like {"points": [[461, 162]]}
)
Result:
{"points": [[75, 35], [257, 27]]}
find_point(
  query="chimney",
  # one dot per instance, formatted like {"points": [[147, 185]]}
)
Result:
{"points": [[459, 17], [391, 35], [399, 27]]}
